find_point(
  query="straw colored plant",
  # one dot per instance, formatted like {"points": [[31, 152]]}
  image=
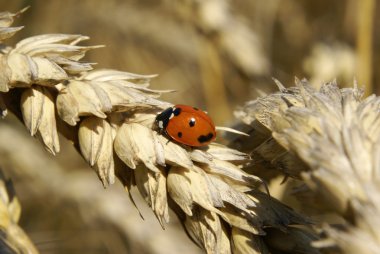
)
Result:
{"points": [[13, 239], [109, 117], [333, 137]]}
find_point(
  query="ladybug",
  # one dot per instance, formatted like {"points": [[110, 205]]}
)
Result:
{"points": [[187, 125]]}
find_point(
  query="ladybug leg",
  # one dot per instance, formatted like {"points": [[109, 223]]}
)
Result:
{"points": [[163, 132]]}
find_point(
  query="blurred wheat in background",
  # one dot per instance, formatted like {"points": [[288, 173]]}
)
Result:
{"points": [[314, 143]]}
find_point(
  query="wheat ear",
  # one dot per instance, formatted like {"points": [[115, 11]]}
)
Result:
{"points": [[108, 115], [328, 138]]}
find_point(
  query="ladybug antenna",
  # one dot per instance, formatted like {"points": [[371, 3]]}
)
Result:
{"points": [[226, 129]]}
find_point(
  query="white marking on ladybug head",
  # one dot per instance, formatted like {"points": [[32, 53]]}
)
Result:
{"points": [[171, 116], [160, 124]]}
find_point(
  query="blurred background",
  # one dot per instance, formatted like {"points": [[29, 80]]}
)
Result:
{"points": [[216, 54]]}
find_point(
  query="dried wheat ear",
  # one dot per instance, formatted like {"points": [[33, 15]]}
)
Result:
{"points": [[330, 139], [108, 115]]}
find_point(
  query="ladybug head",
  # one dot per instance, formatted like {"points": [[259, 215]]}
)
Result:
{"points": [[163, 118]]}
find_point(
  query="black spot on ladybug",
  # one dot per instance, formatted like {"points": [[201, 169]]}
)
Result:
{"points": [[195, 108], [192, 122], [204, 139], [179, 134], [177, 111]]}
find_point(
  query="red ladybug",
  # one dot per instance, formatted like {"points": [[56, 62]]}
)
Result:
{"points": [[186, 125]]}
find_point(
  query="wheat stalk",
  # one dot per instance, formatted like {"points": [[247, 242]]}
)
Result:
{"points": [[109, 116], [333, 135]]}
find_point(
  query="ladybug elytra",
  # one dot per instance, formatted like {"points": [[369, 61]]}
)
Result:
{"points": [[186, 125]]}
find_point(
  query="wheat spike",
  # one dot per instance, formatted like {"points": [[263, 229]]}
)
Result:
{"points": [[109, 116], [335, 134]]}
